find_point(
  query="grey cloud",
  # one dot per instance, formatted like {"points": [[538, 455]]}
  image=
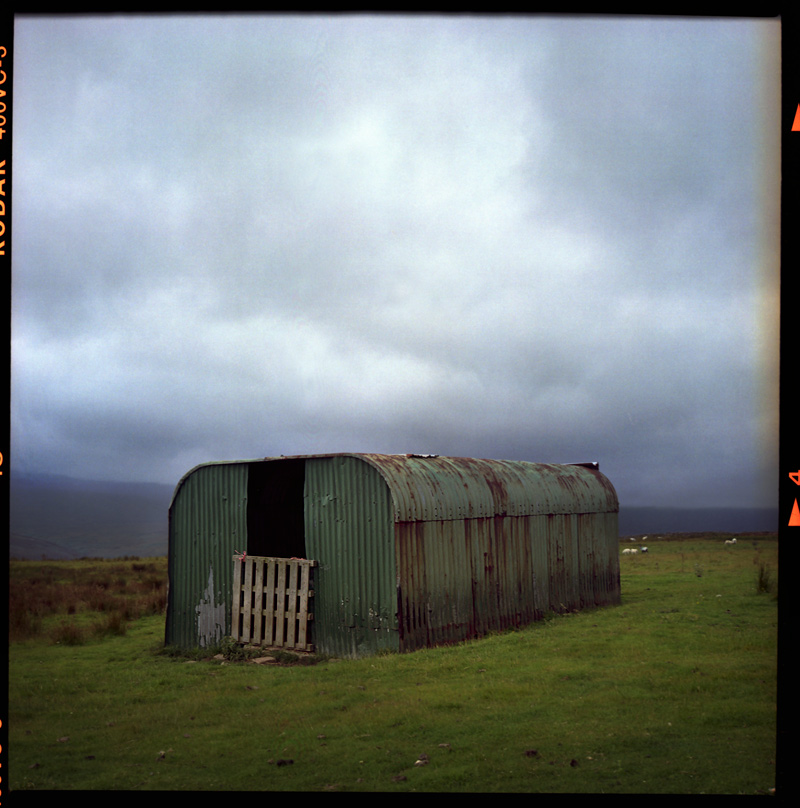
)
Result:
{"points": [[284, 235]]}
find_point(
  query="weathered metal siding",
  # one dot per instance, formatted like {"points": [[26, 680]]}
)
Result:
{"points": [[444, 488], [486, 545], [463, 578], [599, 570], [207, 524], [349, 532]]}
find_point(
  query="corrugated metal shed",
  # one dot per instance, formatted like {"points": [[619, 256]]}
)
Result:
{"points": [[411, 550]]}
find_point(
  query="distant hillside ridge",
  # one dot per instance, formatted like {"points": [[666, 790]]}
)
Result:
{"points": [[63, 517], [638, 521], [59, 517], [30, 548]]}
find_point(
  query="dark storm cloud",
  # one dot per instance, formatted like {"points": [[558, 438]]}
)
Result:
{"points": [[546, 239]]}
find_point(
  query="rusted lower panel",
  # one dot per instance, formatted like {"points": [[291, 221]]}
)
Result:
{"points": [[462, 579], [435, 588]]}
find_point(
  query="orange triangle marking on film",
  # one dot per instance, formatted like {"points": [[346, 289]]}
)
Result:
{"points": [[794, 519], [796, 124]]}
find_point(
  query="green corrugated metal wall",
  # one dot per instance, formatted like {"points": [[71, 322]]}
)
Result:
{"points": [[207, 525], [349, 532]]}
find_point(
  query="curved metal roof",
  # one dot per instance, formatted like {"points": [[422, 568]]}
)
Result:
{"points": [[430, 488]]}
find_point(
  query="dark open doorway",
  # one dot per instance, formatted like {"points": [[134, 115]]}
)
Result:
{"points": [[275, 520]]}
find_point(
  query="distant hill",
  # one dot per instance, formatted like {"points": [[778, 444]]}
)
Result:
{"points": [[29, 547], [638, 521], [61, 517]]}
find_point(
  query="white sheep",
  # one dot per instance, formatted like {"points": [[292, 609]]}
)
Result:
{"points": [[644, 549], [730, 541], [627, 551]]}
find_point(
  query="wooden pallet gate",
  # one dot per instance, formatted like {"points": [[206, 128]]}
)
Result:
{"points": [[271, 598]]}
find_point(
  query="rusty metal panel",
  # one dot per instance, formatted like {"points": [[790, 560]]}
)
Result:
{"points": [[428, 488], [207, 524], [484, 545], [560, 539], [600, 585], [459, 580], [349, 532]]}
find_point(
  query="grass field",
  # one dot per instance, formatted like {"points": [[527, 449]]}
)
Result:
{"points": [[673, 691]]}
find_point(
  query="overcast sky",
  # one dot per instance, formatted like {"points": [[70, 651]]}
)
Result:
{"points": [[537, 238]]}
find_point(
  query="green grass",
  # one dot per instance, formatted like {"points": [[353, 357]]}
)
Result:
{"points": [[673, 691]]}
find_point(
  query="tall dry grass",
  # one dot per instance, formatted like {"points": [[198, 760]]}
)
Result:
{"points": [[70, 602]]}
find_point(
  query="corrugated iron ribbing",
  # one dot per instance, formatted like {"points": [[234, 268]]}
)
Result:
{"points": [[207, 524], [349, 533], [486, 545], [459, 580], [438, 488]]}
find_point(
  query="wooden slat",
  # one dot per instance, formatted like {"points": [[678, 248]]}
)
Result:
{"points": [[292, 568], [258, 595], [248, 600], [280, 603], [269, 591], [302, 624], [236, 612]]}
